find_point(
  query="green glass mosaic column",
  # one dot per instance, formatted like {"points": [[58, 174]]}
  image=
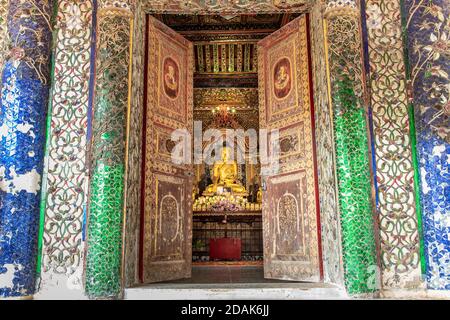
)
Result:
{"points": [[106, 194], [352, 147]]}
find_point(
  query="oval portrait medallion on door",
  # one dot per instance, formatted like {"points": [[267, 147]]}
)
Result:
{"points": [[282, 78], [171, 74]]}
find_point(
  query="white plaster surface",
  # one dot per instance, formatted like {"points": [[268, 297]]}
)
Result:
{"points": [[3, 131], [29, 181], [438, 150], [6, 279], [55, 286], [425, 187], [416, 294], [26, 128]]}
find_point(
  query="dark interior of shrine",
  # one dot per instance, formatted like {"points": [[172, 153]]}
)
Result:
{"points": [[227, 245]]}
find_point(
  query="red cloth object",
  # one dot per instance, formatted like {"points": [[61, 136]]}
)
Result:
{"points": [[225, 249]]}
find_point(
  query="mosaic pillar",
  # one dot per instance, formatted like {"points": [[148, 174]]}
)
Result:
{"points": [[427, 25], [347, 89], [108, 150], [398, 221], [65, 184], [24, 98]]}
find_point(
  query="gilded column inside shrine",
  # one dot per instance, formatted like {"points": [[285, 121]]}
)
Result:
{"points": [[347, 90], [427, 26], [108, 149], [24, 97]]}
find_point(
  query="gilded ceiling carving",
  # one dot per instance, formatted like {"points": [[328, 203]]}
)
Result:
{"points": [[237, 57], [185, 22], [240, 98], [226, 7], [225, 64], [243, 100]]}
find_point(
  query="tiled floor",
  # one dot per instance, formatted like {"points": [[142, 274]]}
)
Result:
{"points": [[227, 274], [233, 282]]}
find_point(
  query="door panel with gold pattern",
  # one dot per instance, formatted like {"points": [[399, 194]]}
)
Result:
{"points": [[290, 226], [167, 216]]}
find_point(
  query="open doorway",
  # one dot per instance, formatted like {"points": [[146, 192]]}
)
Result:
{"points": [[248, 221]]}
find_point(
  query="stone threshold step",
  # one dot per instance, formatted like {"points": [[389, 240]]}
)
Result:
{"points": [[235, 292]]}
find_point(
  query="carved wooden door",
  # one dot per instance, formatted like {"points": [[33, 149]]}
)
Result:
{"points": [[290, 224], [167, 213]]}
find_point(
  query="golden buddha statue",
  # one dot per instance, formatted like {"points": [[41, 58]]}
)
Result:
{"points": [[259, 195], [224, 176]]}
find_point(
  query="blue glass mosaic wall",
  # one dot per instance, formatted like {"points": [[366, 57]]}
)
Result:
{"points": [[428, 28], [24, 98]]}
